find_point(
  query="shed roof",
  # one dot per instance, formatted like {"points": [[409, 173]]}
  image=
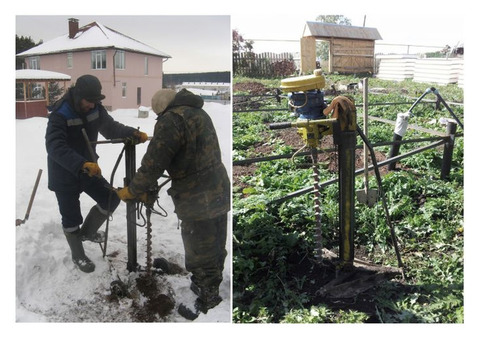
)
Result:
{"points": [[92, 36], [326, 30], [40, 75]]}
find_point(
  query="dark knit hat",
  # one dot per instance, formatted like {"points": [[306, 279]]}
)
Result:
{"points": [[88, 87]]}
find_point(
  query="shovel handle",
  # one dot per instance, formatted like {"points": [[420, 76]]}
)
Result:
{"points": [[32, 197]]}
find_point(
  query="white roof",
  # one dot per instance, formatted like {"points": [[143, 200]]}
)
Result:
{"points": [[202, 92], [40, 75], [92, 36]]}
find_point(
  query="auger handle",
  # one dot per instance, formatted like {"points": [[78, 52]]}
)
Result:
{"points": [[278, 126]]}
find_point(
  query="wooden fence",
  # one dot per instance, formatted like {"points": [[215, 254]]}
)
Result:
{"points": [[263, 64]]}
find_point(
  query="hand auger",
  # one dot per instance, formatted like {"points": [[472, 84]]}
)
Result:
{"points": [[112, 176], [129, 150], [311, 132], [152, 198]]}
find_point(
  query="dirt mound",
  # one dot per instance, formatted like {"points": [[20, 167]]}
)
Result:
{"points": [[252, 88]]}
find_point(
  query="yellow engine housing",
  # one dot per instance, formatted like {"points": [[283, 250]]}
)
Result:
{"points": [[316, 81]]}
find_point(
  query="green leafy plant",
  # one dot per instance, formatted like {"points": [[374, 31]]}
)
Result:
{"points": [[274, 244]]}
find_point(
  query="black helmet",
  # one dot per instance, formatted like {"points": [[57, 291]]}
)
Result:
{"points": [[88, 87]]}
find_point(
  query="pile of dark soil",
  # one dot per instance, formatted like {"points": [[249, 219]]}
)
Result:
{"points": [[252, 88], [157, 304]]}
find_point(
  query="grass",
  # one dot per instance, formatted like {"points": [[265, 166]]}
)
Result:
{"points": [[427, 213]]}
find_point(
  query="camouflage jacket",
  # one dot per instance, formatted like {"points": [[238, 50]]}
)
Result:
{"points": [[185, 144]]}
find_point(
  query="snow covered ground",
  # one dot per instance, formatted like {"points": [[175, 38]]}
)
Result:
{"points": [[48, 286]]}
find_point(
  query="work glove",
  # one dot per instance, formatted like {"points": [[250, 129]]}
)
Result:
{"points": [[140, 136], [91, 169], [125, 195]]}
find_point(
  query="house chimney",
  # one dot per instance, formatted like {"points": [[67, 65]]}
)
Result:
{"points": [[72, 27]]}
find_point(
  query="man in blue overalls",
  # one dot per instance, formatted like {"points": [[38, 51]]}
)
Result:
{"points": [[71, 169]]}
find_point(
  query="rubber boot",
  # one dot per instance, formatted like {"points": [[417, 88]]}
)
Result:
{"points": [[207, 299], [194, 288], [78, 254], [92, 223]]}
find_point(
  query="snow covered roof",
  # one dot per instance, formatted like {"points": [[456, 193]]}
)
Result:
{"points": [[92, 36], [40, 75]]}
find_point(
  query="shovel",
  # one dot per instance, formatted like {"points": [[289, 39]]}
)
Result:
{"points": [[32, 197], [366, 195]]}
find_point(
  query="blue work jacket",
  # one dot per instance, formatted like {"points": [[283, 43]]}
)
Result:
{"points": [[66, 146]]}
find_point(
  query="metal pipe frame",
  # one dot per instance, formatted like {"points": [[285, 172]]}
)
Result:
{"points": [[357, 172], [306, 153]]}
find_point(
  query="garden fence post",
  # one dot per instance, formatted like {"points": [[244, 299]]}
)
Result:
{"points": [[448, 150], [401, 125]]}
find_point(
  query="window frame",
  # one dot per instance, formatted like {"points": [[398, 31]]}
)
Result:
{"points": [[120, 60], [69, 60], [99, 60], [124, 90], [34, 62]]}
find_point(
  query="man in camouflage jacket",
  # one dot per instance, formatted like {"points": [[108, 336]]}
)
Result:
{"points": [[185, 144], [71, 169]]}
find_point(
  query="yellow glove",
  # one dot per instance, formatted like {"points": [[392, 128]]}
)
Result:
{"points": [[125, 195], [92, 169], [142, 137]]}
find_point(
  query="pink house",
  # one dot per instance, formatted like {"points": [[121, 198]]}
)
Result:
{"points": [[130, 71]]}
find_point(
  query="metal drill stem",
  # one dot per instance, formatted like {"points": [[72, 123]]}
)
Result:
{"points": [[130, 169], [149, 241], [317, 207]]}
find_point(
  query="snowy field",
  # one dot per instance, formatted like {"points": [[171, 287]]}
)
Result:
{"points": [[49, 288]]}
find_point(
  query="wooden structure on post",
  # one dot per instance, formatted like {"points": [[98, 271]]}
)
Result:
{"points": [[31, 105], [352, 49]]}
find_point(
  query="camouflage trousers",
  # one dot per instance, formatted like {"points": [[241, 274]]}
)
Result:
{"points": [[205, 252]]}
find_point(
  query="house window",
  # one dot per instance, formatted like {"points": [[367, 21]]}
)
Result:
{"points": [[34, 63], [145, 67], [69, 60], [124, 90], [120, 60], [99, 60]]}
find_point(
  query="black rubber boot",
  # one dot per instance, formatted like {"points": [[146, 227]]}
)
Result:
{"points": [[207, 299], [78, 254], [194, 288], [92, 223]]}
